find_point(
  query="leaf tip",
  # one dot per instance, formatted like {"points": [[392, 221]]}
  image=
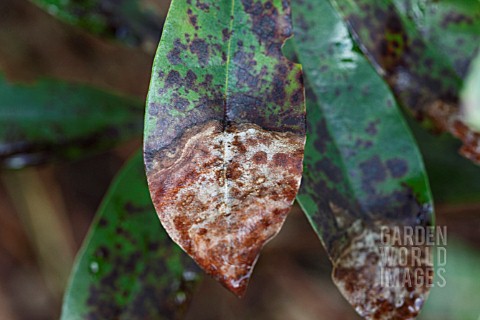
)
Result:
{"points": [[237, 287], [383, 284]]}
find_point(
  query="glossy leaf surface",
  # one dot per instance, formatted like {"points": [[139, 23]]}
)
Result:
{"points": [[363, 171], [50, 120], [471, 96], [224, 131], [128, 267], [423, 49], [134, 22]]}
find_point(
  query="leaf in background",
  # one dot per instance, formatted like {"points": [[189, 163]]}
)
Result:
{"points": [[450, 27], [422, 48], [51, 120], [471, 96], [363, 170], [135, 22], [128, 268], [442, 163], [458, 298], [225, 131]]}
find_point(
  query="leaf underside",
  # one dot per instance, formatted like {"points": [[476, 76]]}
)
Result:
{"points": [[224, 131], [50, 120], [423, 49], [363, 170], [128, 268]]}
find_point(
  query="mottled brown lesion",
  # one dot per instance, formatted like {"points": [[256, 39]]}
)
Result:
{"points": [[221, 195], [357, 271]]}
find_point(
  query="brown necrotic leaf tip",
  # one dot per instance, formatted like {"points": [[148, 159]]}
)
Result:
{"points": [[381, 278], [224, 168]]}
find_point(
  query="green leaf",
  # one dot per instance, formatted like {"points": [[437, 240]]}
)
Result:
{"points": [[423, 49], [128, 268], [224, 131], [135, 22], [450, 27], [363, 171], [453, 179], [461, 275], [50, 120], [471, 96]]}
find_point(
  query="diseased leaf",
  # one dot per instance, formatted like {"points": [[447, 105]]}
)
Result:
{"points": [[51, 120], [450, 27], [471, 97], [363, 171], [135, 22], [224, 131], [423, 49], [128, 268]]}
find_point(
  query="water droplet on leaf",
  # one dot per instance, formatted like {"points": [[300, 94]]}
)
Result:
{"points": [[418, 304], [94, 267], [399, 302]]}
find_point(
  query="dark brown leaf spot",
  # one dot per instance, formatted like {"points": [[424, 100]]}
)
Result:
{"points": [[397, 167]]}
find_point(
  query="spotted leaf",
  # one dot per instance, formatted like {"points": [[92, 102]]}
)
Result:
{"points": [[50, 120], [363, 171], [134, 22], [423, 49], [128, 268], [224, 131]]}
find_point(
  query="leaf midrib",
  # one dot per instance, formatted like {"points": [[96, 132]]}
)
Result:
{"points": [[225, 120]]}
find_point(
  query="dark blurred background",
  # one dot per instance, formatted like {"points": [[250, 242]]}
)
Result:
{"points": [[45, 212]]}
